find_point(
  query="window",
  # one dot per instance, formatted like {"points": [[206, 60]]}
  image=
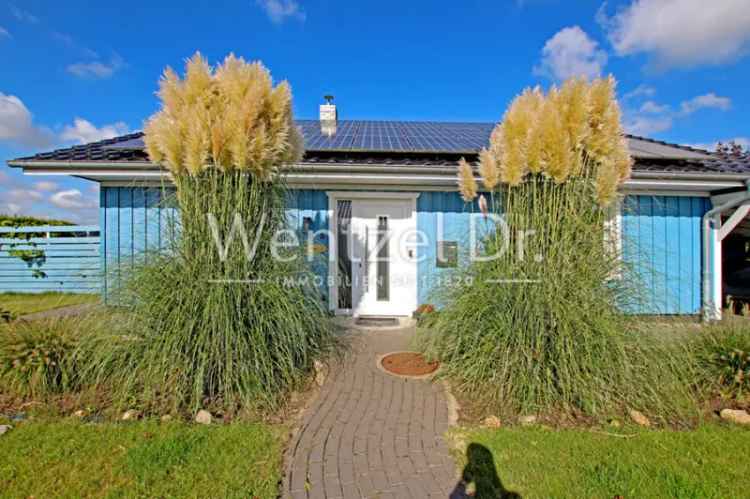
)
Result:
{"points": [[343, 229], [383, 260], [447, 254]]}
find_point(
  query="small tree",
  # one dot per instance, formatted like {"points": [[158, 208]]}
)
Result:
{"points": [[538, 327], [213, 325], [731, 148]]}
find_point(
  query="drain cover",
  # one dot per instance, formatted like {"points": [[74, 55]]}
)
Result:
{"points": [[408, 364]]}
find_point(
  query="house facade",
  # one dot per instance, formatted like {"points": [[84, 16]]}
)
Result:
{"points": [[360, 180]]}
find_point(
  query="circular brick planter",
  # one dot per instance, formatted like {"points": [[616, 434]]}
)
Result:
{"points": [[407, 365]]}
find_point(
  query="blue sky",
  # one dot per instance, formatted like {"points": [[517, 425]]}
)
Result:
{"points": [[79, 71]]}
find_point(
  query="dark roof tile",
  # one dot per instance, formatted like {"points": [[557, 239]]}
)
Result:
{"points": [[650, 155]]}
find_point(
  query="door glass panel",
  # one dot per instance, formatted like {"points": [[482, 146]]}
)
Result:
{"points": [[383, 260], [344, 227]]}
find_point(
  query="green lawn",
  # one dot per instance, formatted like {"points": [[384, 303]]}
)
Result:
{"points": [[143, 459], [711, 462], [28, 303]]}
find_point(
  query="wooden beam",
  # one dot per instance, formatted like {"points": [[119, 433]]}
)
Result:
{"points": [[739, 214]]}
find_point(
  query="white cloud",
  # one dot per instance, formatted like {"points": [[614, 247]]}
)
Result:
{"points": [[70, 42], [647, 125], [571, 52], [10, 208], [24, 195], [71, 199], [46, 186], [281, 10], [641, 90], [96, 69], [681, 33], [17, 125], [652, 117], [83, 131], [23, 15], [4, 33], [651, 107], [710, 100], [29, 196]]}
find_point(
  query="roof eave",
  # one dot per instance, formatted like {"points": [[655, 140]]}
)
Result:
{"points": [[368, 176], [69, 167]]}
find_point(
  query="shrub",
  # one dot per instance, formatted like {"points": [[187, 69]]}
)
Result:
{"points": [[35, 356], [722, 359], [6, 315], [238, 329], [538, 329]]}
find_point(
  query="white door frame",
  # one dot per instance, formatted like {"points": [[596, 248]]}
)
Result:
{"points": [[333, 198]]}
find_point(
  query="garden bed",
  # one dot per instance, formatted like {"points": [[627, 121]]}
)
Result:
{"points": [[408, 364]]}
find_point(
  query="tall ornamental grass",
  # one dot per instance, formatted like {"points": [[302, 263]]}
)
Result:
{"points": [[232, 328], [721, 355], [539, 329], [35, 357]]}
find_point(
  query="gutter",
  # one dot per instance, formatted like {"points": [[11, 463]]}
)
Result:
{"points": [[351, 168], [711, 223]]}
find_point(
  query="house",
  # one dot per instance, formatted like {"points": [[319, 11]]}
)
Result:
{"points": [[365, 176]]}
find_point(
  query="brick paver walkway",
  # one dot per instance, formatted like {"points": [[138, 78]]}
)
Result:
{"points": [[369, 434]]}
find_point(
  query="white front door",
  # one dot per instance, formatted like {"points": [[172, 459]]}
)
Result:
{"points": [[384, 266]]}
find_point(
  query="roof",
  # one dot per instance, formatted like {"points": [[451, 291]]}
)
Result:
{"points": [[405, 143]]}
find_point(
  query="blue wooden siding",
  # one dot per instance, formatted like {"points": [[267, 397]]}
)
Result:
{"points": [[437, 211], [135, 220], [312, 204], [661, 237], [60, 263], [661, 247]]}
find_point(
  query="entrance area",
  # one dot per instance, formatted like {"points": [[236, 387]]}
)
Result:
{"points": [[375, 269], [736, 268]]}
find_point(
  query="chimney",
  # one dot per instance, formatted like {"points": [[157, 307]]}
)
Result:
{"points": [[328, 117], [328, 110]]}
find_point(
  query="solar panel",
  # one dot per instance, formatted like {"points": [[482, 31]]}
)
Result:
{"points": [[396, 136], [127, 144], [382, 136]]}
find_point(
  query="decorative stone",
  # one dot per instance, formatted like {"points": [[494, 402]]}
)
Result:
{"points": [[130, 415], [735, 416], [639, 418], [320, 372], [203, 417], [492, 422], [5, 428], [527, 420]]}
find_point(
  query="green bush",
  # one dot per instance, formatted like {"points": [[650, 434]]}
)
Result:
{"points": [[232, 327], [6, 315], [542, 331], [197, 330], [722, 359], [35, 357]]}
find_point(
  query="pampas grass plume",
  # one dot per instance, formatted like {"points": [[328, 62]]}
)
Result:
{"points": [[574, 131], [467, 185], [230, 117]]}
